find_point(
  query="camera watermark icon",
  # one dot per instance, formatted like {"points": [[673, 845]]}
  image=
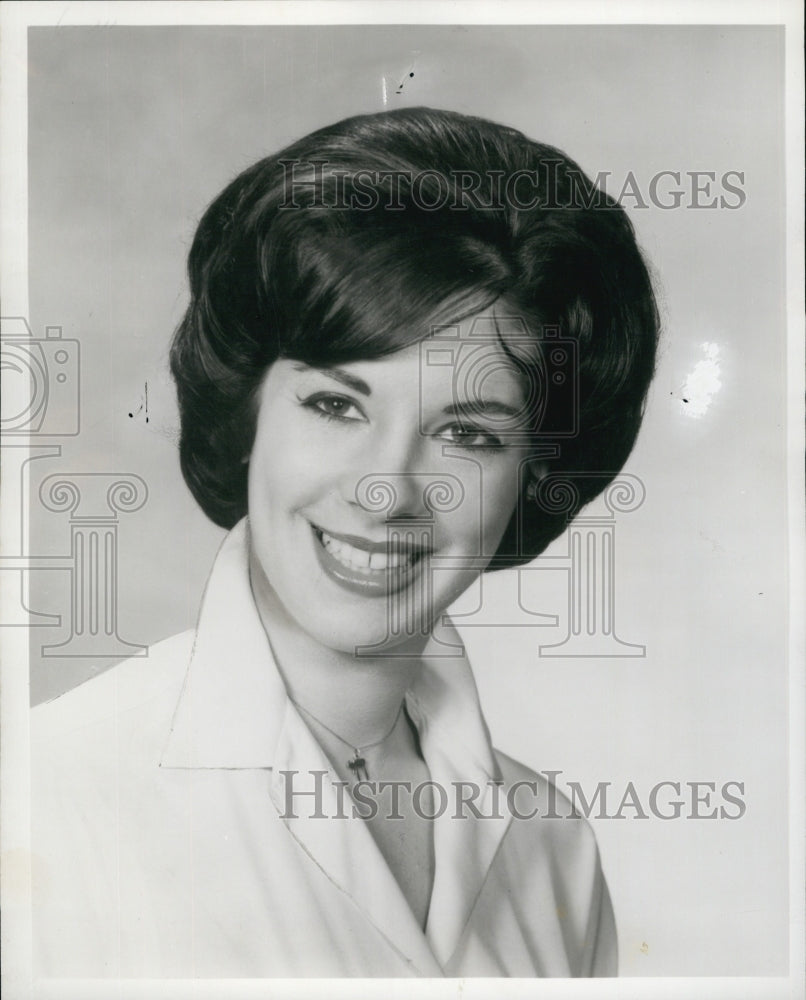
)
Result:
{"points": [[40, 400], [544, 362], [41, 381], [18, 456]]}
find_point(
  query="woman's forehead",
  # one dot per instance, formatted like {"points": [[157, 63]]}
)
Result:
{"points": [[492, 331]]}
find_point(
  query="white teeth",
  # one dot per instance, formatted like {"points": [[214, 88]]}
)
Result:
{"points": [[347, 554], [380, 560], [360, 559]]}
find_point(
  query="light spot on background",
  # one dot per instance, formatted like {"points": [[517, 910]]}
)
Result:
{"points": [[703, 383]]}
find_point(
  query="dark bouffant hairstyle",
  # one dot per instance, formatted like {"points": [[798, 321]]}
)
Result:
{"points": [[346, 245]]}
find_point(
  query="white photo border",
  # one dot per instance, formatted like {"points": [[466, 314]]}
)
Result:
{"points": [[14, 764]]}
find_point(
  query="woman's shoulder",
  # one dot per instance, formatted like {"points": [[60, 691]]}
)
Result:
{"points": [[96, 798], [548, 864], [148, 684], [543, 813]]}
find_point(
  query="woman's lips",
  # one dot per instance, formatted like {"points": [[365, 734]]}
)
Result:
{"points": [[370, 568]]}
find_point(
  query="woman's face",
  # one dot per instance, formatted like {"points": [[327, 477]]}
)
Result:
{"points": [[378, 489]]}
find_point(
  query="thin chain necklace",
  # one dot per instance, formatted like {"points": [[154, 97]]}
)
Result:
{"points": [[357, 763]]}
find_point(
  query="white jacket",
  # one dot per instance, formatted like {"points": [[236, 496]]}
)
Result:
{"points": [[163, 843]]}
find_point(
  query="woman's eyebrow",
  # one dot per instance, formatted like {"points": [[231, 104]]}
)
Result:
{"points": [[489, 406], [351, 381]]}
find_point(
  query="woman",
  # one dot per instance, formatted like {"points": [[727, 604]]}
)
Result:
{"points": [[398, 328]]}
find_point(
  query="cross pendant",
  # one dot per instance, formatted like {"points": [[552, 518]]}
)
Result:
{"points": [[359, 767]]}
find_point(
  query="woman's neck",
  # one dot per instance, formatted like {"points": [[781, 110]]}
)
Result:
{"points": [[357, 698]]}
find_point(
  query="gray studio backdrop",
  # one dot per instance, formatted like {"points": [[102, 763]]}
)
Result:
{"points": [[134, 130]]}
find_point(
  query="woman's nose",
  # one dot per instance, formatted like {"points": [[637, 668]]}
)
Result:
{"points": [[392, 479], [393, 496]]}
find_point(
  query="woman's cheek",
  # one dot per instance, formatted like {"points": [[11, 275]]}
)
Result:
{"points": [[498, 504], [293, 453], [313, 442], [473, 521]]}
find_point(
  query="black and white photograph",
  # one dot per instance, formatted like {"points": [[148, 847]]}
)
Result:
{"points": [[403, 500]]}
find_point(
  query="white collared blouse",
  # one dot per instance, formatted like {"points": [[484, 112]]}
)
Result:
{"points": [[173, 836]]}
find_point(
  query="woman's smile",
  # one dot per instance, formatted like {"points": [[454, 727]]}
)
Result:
{"points": [[372, 568]]}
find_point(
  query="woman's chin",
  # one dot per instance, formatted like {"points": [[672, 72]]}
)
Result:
{"points": [[363, 640]]}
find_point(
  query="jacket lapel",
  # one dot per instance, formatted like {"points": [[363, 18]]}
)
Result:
{"points": [[464, 848], [456, 745]]}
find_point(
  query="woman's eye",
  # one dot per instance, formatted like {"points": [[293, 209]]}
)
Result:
{"points": [[471, 437], [333, 407]]}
